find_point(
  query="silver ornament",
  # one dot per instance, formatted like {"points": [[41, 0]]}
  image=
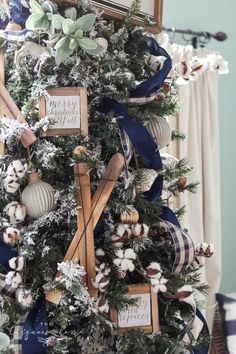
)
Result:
{"points": [[38, 197]]}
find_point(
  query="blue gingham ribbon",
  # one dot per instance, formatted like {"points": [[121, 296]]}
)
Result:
{"points": [[184, 247]]}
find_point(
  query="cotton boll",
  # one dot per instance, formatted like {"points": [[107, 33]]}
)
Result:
{"points": [[11, 184], [16, 263], [24, 298], [102, 304], [127, 264], [116, 241], [11, 236], [14, 279], [130, 254], [140, 230], [16, 169], [16, 212]]}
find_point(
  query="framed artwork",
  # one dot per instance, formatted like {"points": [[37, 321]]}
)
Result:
{"points": [[68, 106], [119, 8], [143, 315]]}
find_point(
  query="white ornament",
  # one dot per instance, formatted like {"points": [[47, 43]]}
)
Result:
{"points": [[38, 197], [14, 279], [16, 263], [16, 212], [11, 184], [4, 341], [16, 169], [161, 131], [11, 236]]}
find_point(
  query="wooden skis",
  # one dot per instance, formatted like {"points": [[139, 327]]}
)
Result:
{"points": [[81, 248]]}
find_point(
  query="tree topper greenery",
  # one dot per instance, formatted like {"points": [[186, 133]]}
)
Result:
{"points": [[66, 34]]}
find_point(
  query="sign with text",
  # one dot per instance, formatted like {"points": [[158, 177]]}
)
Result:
{"points": [[143, 315], [137, 315], [68, 108]]}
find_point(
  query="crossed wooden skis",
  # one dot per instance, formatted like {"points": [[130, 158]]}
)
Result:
{"points": [[81, 249]]}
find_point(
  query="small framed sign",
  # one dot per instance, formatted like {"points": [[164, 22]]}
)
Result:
{"points": [[68, 106], [119, 8], [143, 315]]}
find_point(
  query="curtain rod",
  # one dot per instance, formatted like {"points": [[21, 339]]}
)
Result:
{"points": [[197, 36]]}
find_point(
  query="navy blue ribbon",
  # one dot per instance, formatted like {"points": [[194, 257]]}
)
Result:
{"points": [[34, 331], [203, 348], [141, 140], [18, 12], [153, 84], [6, 253]]}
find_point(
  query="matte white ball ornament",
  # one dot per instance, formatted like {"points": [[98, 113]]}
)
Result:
{"points": [[161, 131], [38, 196], [4, 341]]}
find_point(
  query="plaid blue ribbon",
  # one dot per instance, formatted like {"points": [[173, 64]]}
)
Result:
{"points": [[184, 247]]}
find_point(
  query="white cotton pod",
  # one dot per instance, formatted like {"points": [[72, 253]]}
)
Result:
{"points": [[38, 197], [11, 236], [24, 298], [116, 241], [11, 184], [127, 264], [130, 254], [4, 341], [102, 304], [16, 212], [161, 131], [140, 230], [16, 263], [14, 279], [16, 169]]}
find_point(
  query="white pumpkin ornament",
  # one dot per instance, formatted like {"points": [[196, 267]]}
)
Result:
{"points": [[161, 131], [38, 196]]}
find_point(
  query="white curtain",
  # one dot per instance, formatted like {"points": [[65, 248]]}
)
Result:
{"points": [[198, 118]]}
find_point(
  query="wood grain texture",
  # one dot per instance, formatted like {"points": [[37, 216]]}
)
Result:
{"points": [[99, 200]]}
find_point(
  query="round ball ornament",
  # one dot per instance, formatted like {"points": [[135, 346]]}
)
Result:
{"points": [[4, 341], [129, 216], [161, 131], [38, 196]]}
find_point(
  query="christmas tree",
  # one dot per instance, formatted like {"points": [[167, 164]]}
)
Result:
{"points": [[85, 207]]}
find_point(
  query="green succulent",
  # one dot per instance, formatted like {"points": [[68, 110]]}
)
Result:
{"points": [[66, 34]]}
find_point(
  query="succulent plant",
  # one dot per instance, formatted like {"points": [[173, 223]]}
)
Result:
{"points": [[66, 34]]}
